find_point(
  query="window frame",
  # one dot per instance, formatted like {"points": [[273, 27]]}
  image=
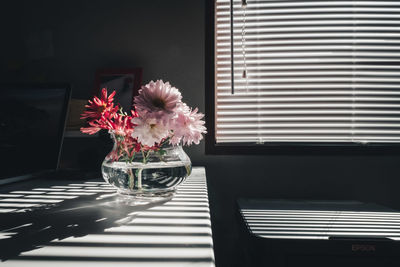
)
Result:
{"points": [[275, 148]]}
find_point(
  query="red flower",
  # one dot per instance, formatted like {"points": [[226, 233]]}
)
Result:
{"points": [[122, 124], [100, 107], [90, 130], [97, 125]]}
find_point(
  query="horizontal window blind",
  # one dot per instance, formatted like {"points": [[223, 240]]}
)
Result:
{"points": [[315, 71]]}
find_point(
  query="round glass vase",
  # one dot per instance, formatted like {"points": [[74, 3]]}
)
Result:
{"points": [[146, 174]]}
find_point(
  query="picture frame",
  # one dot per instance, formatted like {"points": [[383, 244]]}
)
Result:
{"points": [[126, 82]]}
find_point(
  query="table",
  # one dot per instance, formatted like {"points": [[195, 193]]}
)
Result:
{"points": [[70, 223], [319, 233]]}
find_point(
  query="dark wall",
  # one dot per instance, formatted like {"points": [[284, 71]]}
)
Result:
{"points": [[166, 38]]}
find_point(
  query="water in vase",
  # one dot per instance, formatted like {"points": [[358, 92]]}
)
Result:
{"points": [[152, 177]]}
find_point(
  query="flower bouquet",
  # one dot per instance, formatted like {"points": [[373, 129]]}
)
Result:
{"points": [[147, 158]]}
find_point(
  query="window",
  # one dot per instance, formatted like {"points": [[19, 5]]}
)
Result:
{"points": [[305, 74]]}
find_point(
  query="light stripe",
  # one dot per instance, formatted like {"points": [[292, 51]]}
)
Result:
{"points": [[121, 252], [159, 229], [29, 200], [140, 239]]}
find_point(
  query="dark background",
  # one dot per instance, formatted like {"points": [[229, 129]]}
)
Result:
{"points": [[166, 39]]}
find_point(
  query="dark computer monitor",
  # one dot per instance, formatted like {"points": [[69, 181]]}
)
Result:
{"points": [[32, 123]]}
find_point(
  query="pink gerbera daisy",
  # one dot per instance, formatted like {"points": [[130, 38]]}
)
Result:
{"points": [[158, 98]]}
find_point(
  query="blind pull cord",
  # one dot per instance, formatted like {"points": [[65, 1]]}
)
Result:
{"points": [[232, 60], [353, 59], [244, 74]]}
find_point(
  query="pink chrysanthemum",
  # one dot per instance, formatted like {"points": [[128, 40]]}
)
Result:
{"points": [[187, 127], [149, 131], [157, 98]]}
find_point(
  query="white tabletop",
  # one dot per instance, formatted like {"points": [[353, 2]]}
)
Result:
{"points": [[73, 223]]}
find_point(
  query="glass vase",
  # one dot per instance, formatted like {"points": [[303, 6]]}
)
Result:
{"points": [[145, 174]]}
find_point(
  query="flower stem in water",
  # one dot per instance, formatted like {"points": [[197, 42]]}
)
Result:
{"points": [[139, 178], [131, 179], [139, 171]]}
